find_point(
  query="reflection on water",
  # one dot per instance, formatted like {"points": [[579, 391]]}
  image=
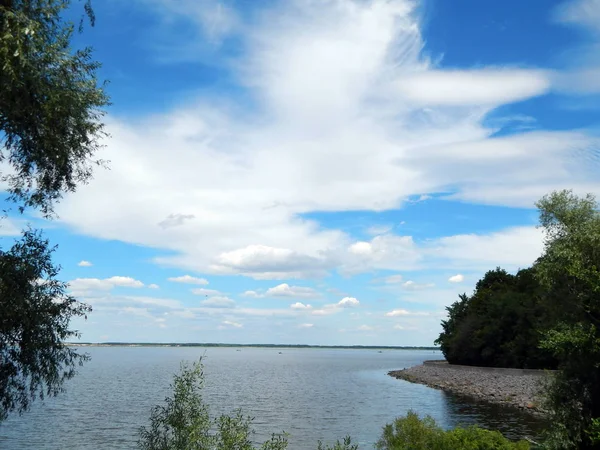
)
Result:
{"points": [[312, 394]]}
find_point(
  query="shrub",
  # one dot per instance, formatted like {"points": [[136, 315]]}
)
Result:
{"points": [[184, 423], [413, 433]]}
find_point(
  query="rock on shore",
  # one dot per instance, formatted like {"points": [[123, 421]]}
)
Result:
{"points": [[515, 388]]}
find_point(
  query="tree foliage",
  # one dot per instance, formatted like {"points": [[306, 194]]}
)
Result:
{"points": [[50, 103], [413, 433], [500, 324], [569, 270], [50, 127], [184, 422], [34, 323]]}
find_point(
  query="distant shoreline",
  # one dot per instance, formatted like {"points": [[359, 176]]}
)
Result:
{"points": [[194, 344]]}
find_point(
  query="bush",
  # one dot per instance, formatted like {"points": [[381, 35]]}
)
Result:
{"points": [[413, 433], [184, 423]]}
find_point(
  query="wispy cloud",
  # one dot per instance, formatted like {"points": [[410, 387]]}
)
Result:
{"points": [[188, 279]]}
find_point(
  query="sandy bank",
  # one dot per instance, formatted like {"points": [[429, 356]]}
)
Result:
{"points": [[511, 387]]}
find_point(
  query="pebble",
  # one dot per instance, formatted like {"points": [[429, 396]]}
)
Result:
{"points": [[521, 390]]}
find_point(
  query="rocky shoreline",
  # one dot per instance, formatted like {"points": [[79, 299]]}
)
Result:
{"points": [[509, 387]]}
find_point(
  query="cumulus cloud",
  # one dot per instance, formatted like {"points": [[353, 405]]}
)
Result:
{"points": [[348, 302], [306, 325], [300, 306], [285, 290], [188, 279], [229, 323], [397, 312], [84, 263], [458, 278], [153, 286], [332, 308], [404, 312], [252, 294], [264, 262], [92, 284]]}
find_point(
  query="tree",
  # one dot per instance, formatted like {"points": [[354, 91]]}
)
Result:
{"points": [[34, 323], [570, 271], [499, 324], [184, 422], [50, 103], [50, 128]]}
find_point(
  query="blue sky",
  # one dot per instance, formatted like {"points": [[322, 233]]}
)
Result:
{"points": [[322, 171]]}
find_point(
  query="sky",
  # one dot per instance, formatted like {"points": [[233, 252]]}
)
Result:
{"points": [[321, 171]]}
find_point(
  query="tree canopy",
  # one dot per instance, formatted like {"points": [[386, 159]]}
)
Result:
{"points": [[50, 103], [500, 324], [569, 270], [50, 128]]}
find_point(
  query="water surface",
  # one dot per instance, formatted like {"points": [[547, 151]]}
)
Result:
{"points": [[312, 394]]}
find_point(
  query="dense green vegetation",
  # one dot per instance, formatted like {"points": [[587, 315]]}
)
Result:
{"points": [[183, 422], [50, 106], [413, 433], [546, 316], [500, 324]]}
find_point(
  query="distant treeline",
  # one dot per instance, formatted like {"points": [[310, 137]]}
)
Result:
{"points": [[211, 344]]}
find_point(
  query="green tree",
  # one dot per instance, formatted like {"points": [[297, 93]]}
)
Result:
{"points": [[184, 422], [34, 323], [570, 271], [50, 127], [499, 324]]}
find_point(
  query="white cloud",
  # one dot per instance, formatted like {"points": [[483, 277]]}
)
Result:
{"points": [[511, 248], [397, 312], [411, 285], [404, 312], [373, 122], [84, 263], [285, 290], [153, 286], [189, 280], [264, 262], [300, 306], [252, 294], [91, 284], [229, 323], [471, 87], [365, 328], [218, 302], [458, 278], [361, 248], [306, 325], [348, 302]]}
